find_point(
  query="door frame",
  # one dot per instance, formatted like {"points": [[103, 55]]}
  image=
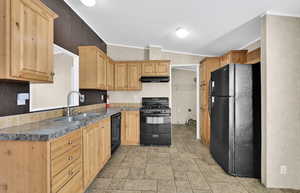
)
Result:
{"points": [[197, 66]]}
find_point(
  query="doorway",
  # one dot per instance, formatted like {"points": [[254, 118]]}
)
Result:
{"points": [[185, 96]]}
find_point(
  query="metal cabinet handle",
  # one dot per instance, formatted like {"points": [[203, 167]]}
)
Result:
{"points": [[70, 158], [70, 142], [71, 172]]}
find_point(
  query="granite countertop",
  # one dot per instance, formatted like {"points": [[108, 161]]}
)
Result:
{"points": [[54, 128]]}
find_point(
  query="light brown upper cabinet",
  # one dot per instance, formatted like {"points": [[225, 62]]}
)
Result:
{"points": [[134, 76], [127, 76], [110, 74], [156, 68], [148, 69], [234, 57], [253, 57], [93, 62], [162, 68], [121, 82], [26, 40]]}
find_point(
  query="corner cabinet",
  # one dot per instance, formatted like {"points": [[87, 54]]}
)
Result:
{"points": [[130, 131], [92, 70], [26, 49], [156, 68]]}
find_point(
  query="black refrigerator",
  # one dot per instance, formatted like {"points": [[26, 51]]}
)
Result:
{"points": [[235, 114]]}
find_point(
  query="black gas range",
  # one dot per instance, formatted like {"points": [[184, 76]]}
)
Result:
{"points": [[155, 121]]}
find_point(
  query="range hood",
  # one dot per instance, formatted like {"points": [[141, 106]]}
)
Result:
{"points": [[155, 79]]}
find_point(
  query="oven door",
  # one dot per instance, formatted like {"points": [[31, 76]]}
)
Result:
{"points": [[155, 129]]}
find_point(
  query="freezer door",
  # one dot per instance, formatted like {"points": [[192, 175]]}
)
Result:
{"points": [[222, 81], [222, 127]]}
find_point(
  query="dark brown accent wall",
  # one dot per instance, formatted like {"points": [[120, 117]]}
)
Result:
{"points": [[93, 96], [70, 31], [8, 98]]}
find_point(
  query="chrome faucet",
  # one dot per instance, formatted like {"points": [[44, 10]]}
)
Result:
{"points": [[81, 99]]}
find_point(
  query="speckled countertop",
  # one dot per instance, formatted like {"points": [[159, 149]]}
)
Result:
{"points": [[54, 128]]}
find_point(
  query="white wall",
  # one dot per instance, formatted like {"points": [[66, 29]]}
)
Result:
{"points": [[149, 90], [54, 95], [183, 96], [280, 101]]}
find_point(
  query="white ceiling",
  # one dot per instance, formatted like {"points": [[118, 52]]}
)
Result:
{"points": [[215, 25]]}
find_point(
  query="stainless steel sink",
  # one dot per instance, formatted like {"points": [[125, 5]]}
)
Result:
{"points": [[80, 117]]}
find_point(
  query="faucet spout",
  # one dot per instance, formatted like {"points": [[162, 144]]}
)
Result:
{"points": [[81, 99]]}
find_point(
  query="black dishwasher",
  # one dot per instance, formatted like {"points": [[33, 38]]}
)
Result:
{"points": [[115, 131]]}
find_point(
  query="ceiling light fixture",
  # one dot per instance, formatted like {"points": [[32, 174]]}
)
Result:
{"points": [[181, 32], [89, 3]]}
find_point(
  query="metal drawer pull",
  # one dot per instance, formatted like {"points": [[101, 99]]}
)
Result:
{"points": [[70, 142], [155, 136], [70, 158], [71, 172]]}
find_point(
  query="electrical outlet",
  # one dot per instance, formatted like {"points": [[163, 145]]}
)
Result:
{"points": [[283, 169]]}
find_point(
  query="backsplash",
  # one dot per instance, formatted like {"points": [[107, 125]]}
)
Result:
{"points": [[93, 96], [8, 98]]}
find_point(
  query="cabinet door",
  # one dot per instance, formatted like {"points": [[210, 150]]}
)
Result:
{"points": [[31, 41], [132, 130], [134, 75], [121, 80], [148, 69], [110, 75], [101, 65], [91, 152], [205, 126], [105, 142], [162, 69], [204, 96], [203, 76], [107, 138]]}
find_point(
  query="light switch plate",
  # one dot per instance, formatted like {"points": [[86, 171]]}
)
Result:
{"points": [[21, 98]]}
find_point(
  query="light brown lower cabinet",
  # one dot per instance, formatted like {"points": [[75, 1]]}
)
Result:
{"points": [[96, 149], [67, 164], [130, 131]]}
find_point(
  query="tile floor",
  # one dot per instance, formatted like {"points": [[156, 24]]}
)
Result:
{"points": [[185, 167]]}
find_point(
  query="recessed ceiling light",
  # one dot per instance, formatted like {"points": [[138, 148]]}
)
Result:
{"points": [[181, 32], [89, 3]]}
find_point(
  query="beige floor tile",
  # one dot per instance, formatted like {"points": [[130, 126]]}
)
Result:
{"points": [[136, 173], [197, 181], [101, 183], [117, 184], [140, 185], [158, 171], [254, 186], [227, 188], [122, 173], [166, 186]]}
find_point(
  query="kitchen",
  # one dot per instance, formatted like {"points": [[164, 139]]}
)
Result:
{"points": [[61, 143]]}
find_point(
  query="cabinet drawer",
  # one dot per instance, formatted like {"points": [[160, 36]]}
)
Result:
{"points": [[73, 186], [61, 162], [65, 143], [64, 176]]}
